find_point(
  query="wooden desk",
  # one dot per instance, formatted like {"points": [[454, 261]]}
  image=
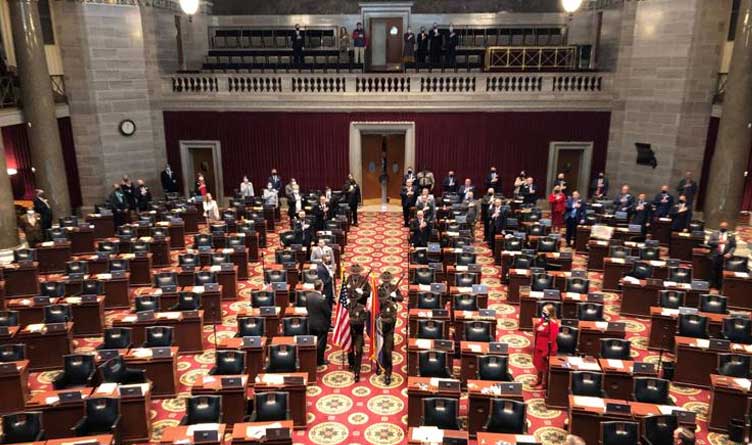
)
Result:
{"points": [[619, 378], [176, 230], [102, 439], [480, 394], [58, 417], [254, 355], [729, 398], [694, 362], [271, 321], [140, 268], [21, 279], [14, 386], [161, 371], [52, 256], [582, 236], [419, 388], [557, 386], [29, 310], [663, 325], [296, 393], [425, 314], [737, 287], [88, 316], [661, 230], [614, 270], [188, 329], [240, 433], [116, 291], [81, 239], [597, 251], [414, 435], [638, 297], [228, 280], [512, 439], [183, 434], [211, 302], [469, 353], [135, 424], [234, 401], [104, 225], [591, 333], [682, 244], [701, 264], [306, 355], [415, 345], [45, 349]]}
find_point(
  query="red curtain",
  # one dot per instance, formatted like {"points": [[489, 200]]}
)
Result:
{"points": [[313, 147]]}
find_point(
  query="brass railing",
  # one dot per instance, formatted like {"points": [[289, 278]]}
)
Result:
{"points": [[540, 58]]}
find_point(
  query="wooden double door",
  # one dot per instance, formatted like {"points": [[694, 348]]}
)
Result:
{"points": [[383, 155]]}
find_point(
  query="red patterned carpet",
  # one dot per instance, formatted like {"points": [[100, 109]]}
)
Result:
{"points": [[342, 412]]}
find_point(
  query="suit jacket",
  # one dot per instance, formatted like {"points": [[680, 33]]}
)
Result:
{"points": [[353, 194], [169, 182], [317, 253], [680, 220], [320, 216], [663, 203], [624, 202], [406, 177], [276, 183], [715, 240], [419, 237], [688, 190], [33, 231], [450, 188], [642, 216], [471, 210], [143, 198], [594, 187], [425, 180], [429, 209], [44, 211], [409, 200], [577, 213], [323, 273], [423, 41], [464, 190], [319, 311], [298, 40], [490, 183], [529, 193]]}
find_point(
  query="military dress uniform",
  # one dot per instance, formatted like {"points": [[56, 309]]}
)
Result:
{"points": [[389, 296], [358, 320]]}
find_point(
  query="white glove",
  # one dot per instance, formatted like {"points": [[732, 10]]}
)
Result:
{"points": [[393, 294], [359, 291]]}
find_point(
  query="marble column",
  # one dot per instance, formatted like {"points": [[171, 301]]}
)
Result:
{"points": [[38, 105], [726, 179], [8, 230]]}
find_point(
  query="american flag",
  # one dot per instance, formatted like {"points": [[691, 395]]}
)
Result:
{"points": [[342, 337]]}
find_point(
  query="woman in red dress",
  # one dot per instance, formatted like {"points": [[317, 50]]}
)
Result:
{"points": [[546, 329], [558, 201]]}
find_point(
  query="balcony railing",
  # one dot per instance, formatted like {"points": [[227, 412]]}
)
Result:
{"points": [[10, 90]]}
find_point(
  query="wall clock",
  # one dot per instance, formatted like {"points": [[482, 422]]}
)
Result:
{"points": [[127, 127]]}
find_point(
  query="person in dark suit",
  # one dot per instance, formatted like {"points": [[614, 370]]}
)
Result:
{"points": [[624, 201], [409, 175], [298, 45], [469, 207], [118, 205], [575, 214], [325, 273], [421, 230], [129, 191], [409, 196], [486, 203], [497, 223], [320, 214], [169, 180], [688, 187], [466, 188], [452, 41], [44, 210], [437, 41], [643, 212], [422, 46], [722, 247], [275, 180], [426, 203], [493, 180], [529, 191], [319, 319], [450, 183], [599, 187], [662, 203], [31, 225], [352, 189], [302, 229], [143, 196], [680, 214]]}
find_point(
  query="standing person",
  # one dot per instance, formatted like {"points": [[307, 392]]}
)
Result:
{"points": [[409, 196], [546, 329], [599, 187], [426, 179], [211, 210], [422, 46], [643, 212], [486, 206], [436, 44], [321, 249], [680, 214], [450, 183], [352, 189], [408, 47], [290, 188], [625, 201], [426, 203], [319, 320], [31, 225], [420, 230], [43, 209], [320, 214], [246, 188], [275, 180], [129, 191], [271, 196], [360, 43], [453, 40], [663, 202], [344, 46], [358, 319], [389, 295], [575, 215], [294, 201], [493, 180], [688, 187], [118, 205], [466, 189], [143, 196], [519, 181], [298, 45], [301, 229], [169, 180], [561, 182], [325, 273], [201, 189], [410, 175], [529, 192], [558, 201], [722, 247], [497, 221]]}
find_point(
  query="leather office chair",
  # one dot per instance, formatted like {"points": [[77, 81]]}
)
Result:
{"points": [[424, 276], [440, 412], [619, 251], [737, 330], [465, 259], [310, 276], [270, 407], [736, 264], [232, 242], [587, 311], [57, 233], [159, 232], [506, 417], [68, 221], [78, 370], [140, 246], [641, 271], [430, 329], [116, 338], [282, 358], [541, 282], [204, 277], [548, 245], [478, 331], [586, 383], [536, 230], [287, 238], [22, 427], [693, 325], [217, 259], [301, 299], [115, 370], [465, 302], [671, 299], [292, 326], [52, 289], [8, 318], [145, 303], [202, 409], [465, 279], [578, 285], [189, 260], [651, 390], [619, 433], [649, 253], [615, 348], [92, 287], [118, 265], [228, 362], [284, 256], [680, 274], [219, 228], [202, 239], [159, 336], [433, 364], [109, 247], [251, 327], [716, 304], [275, 276], [12, 352], [566, 340], [187, 301], [513, 244], [125, 233], [494, 367], [523, 261], [420, 257], [262, 298], [428, 300], [659, 430], [76, 267], [57, 313], [734, 365], [163, 279]]}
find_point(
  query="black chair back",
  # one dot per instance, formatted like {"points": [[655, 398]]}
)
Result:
{"points": [[282, 358], [270, 407], [478, 331], [506, 417], [619, 251], [229, 362], [541, 282], [202, 239], [433, 364], [203, 409], [466, 258], [117, 338], [615, 348], [204, 277], [523, 261], [420, 257], [24, 255], [680, 274], [586, 383], [430, 329], [251, 327], [159, 336], [119, 265], [651, 390], [734, 365], [12, 352], [189, 260], [465, 302], [163, 279], [145, 303], [494, 367], [671, 299], [92, 287], [262, 298], [716, 304], [641, 271], [650, 253], [22, 427], [57, 313], [76, 267], [567, 339], [275, 276], [8, 318], [465, 279], [737, 330], [736, 264], [659, 430], [587, 311], [619, 433], [441, 412], [53, 289], [548, 245], [187, 301], [693, 325], [424, 276], [428, 300], [578, 285], [292, 326]]}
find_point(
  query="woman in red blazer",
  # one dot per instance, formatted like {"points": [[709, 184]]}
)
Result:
{"points": [[546, 329], [558, 201]]}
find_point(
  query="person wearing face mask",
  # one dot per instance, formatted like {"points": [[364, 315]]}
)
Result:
{"points": [[426, 179], [437, 41], [599, 187], [302, 229], [409, 175], [421, 230], [466, 188], [688, 187], [289, 188], [271, 196], [546, 329], [663, 202], [275, 180], [408, 47], [486, 203], [519, 181], [352, 191], [493, 180], [31, 225], [169, 180], [422, 46], [722, 247], [497, 223], [575, 214], [294, 202], [426, 203], [625, 201], [320, 213], [409, 196], [561, 182], [246, 188], [470, 207], [643, 213], [452, 41], [680, 214], [143, 196], [529, 191], [298, 45], [118, 205], [360, 43], [558, 202], [450, 183]]}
